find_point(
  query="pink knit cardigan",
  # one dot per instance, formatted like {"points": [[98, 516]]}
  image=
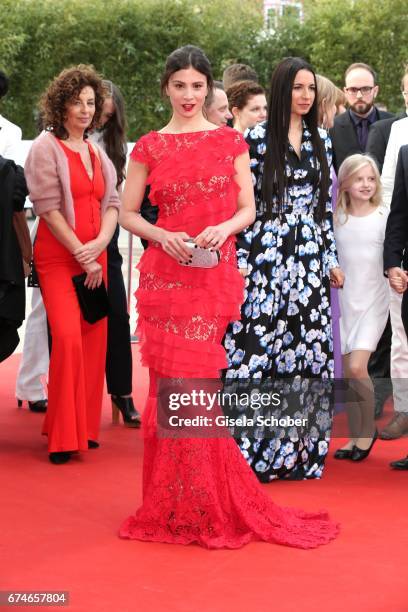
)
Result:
{"points": [[47, 173]]}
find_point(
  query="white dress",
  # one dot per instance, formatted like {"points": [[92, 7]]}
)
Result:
{"points": [[364, 299]]}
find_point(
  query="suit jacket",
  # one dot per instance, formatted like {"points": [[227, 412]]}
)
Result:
{"points": [[396, 233], [344, 137], [12, 282], [149, 212], [378, 136]]}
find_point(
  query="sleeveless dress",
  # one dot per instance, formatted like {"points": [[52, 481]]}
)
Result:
{"points": [[365, 297], [198, 490]]}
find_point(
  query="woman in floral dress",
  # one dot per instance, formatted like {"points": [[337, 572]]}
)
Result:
{"points": [[289, 257]]}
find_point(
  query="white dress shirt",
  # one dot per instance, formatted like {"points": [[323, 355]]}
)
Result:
{"points": [[398, 138], [10, 138]]}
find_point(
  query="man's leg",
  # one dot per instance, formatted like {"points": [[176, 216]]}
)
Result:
{"points": [[398, 425], [379, 369], [35, 358]]}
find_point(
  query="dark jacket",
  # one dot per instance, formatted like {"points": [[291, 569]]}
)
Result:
{"points": [[344, 137], [13, 191], [396, 233], [149, 212], [378, 136]]}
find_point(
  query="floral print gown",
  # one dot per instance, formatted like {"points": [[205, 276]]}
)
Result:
{"points": [[285, 327]]}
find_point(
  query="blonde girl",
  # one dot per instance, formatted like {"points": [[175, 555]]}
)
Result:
{"points": [[359, 226]]}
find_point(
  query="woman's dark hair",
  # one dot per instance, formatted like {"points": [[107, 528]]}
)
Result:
{"points": [[187, 57], [114, 131], [239, 93], [65, 89], [275, 181], [4, 84]]}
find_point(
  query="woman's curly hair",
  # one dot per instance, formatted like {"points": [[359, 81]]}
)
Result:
{"points": [[65, 88], [239, 93]]}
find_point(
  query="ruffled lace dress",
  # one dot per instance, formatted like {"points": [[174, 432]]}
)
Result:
{"points": [[198, 490]]}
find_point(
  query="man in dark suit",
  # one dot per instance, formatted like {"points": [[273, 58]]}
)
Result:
{"points": [[350, 131], [15, 254], [396, 252], [349, 135], [379, 132]]}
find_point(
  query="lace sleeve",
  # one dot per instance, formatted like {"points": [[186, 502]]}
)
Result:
{"points": [[239, 144], [140, 152]]}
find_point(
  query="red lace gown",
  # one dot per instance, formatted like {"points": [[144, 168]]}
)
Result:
{"points": [[199, 489]]}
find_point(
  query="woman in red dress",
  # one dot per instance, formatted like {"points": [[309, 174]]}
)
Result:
{"points": [[196, 489], [72, 186]]}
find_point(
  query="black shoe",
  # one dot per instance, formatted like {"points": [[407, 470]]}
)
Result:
{"points": [[344, 453], [396, 428], [359, 454], [93, 444], [59, 458], [38, 406], [131, 417], [401, 464]]}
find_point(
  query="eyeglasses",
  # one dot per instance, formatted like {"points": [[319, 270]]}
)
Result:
{"points": [[353, 91]]}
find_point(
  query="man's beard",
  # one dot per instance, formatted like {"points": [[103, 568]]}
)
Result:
{"points": [[361, 107]]}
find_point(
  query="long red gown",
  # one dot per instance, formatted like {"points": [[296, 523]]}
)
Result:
{"points": [[199, 490]]}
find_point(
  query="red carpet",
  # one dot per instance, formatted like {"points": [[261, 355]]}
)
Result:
{"points": [[59, 525]]}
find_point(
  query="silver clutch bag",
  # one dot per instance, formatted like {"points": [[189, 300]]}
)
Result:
{"points": [[202, 258]]}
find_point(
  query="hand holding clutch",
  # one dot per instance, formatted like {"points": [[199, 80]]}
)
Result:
{"points": [[93, 274], [94, 303], [201, 257]]}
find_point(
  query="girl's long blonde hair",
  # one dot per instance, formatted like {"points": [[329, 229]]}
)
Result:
{"points": [[327, 94], [347, 171]]}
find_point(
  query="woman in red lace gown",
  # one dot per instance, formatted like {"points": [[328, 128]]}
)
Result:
{"points": [[196, 489]]}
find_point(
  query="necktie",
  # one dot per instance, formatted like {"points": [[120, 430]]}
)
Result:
{"points": [[362, 133]]}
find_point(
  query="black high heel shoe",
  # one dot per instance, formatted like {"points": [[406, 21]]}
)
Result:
{"points": [[344, 453], [38, 406], [360, 454], [131, 417], [93, 444], [59, 458]]}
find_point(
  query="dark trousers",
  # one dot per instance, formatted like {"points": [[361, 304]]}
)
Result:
{"points": [[379, 366], [119, 353]]}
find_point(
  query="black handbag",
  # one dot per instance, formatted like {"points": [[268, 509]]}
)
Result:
{"points": [[94, 303]]}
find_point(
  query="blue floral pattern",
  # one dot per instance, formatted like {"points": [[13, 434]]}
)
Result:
{"points": [[285, 328]]}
